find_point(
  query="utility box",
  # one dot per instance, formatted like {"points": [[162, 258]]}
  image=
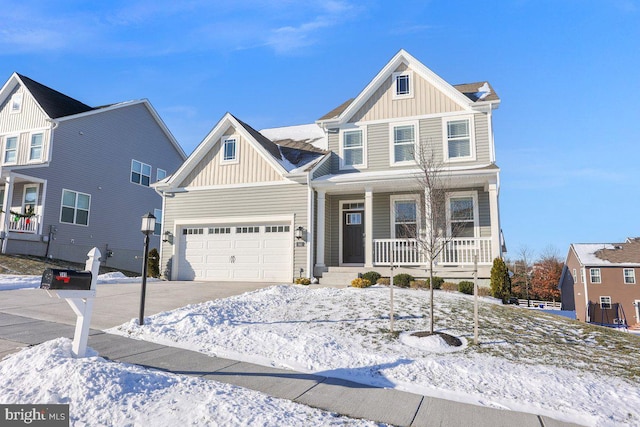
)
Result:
{"points": [[57, 279]]}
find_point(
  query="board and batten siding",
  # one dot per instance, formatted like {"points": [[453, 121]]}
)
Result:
{"points": [[426, 100], [30, 116], [92, 154], [251, 166], [240, 203]]}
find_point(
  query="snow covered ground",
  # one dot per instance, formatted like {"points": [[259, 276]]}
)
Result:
{"points": [[527, 360], [16, 281]]}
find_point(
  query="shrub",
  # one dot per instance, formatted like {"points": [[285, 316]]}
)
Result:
{"points": [[402, 280], [417, 284], [153, 269], [371, 276], [466, 287], [484, 292], [437, 282], [302, 281], [448, 286], [360, 283], [384, 281]]}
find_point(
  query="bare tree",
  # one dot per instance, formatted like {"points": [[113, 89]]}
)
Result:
{"points": [[523, 267]]}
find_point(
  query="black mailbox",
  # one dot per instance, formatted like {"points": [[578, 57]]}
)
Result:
{"points": [[53, 278]]}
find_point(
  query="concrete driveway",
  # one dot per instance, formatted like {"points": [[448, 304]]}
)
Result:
{"points": [[118, 303]]}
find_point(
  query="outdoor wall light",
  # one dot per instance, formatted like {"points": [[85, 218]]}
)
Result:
{"points": [[299, 233], [168, 237], [148, 225]]}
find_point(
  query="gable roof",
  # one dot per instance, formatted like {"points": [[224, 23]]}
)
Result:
{"points": [[465, 95], [285, 158], [608, 254], [52, 102]]}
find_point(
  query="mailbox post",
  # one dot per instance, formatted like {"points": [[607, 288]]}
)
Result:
{"points": [[73, 287]]}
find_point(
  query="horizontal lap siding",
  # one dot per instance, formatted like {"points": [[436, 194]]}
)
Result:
{"points": [[274, 200]]}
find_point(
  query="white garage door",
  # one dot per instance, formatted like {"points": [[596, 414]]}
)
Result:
{"points": [[249, 252]]}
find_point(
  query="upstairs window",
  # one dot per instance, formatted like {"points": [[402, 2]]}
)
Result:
{"points": [[629, 276], [35, 148], [15, 103], [10, 150], [161, 174], [595, 275], [404, 143], [229, 150], [75, 208], [459, 140], [140, 173], [402, 85], [352, 148]]}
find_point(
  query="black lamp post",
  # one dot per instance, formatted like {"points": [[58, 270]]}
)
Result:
{"points": [[148, 225]]}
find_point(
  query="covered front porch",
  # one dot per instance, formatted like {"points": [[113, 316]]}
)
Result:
{"points": [[22, 207], [381, 222]]}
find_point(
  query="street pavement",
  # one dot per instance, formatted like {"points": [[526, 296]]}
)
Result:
{"points": [[29, 317]]}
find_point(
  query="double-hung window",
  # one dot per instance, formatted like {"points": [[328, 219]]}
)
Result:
{"points": [[353, 153], [75, 207], [629, 276], [605, 302], [462, 214], [405, 217], [35, 148], [595, 275], [459, 143], [229, 150], [404, 136], [161, 174], [140, 173], [10, 150]]}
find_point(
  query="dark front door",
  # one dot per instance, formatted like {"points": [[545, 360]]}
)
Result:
{"points": [[353, 237]]}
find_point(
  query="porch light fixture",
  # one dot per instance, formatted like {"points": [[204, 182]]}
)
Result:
{"points": [[299, 233], [148, 225]]}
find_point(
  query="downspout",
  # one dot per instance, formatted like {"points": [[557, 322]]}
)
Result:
{"points": [[586, 294], [311, 227]]}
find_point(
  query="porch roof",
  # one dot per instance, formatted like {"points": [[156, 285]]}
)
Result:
{"points": [[405, 179]]}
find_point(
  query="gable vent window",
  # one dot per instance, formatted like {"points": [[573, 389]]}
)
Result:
{"points": [[402, 85], [16, 103], [229, 150]]}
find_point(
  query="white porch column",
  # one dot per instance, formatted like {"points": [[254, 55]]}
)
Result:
{"points": [[8, 196], [320, 229], [368, 227], [496, 248]]}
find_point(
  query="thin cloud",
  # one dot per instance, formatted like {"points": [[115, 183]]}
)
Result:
{"points": [[410, 29]]}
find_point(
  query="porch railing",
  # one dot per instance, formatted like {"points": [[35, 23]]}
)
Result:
{"points": [[25, 225], [456, 251]]}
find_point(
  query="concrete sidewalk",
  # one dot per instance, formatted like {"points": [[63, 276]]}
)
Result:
{"points": [[30, 316]]}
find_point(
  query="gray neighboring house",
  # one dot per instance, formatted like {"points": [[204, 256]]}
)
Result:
{"points": [[337, 197], [74, 176]]}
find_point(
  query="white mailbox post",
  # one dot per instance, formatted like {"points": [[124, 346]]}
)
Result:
{"points": [[81, 301]]}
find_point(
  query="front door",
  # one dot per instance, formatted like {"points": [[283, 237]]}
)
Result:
{"points": [[353, 237], [637, 304]]}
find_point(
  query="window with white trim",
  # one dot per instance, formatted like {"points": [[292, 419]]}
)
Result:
{"points": [[582, 276], [276, 229], [29, 199], [229, 150], [140, 173], [459, 144], [595, 276], [158, 228], [462, 214], [10, 150], [161, 174], [220, 230], [35, 147], [402, 84], [15, 103], [354, 218], [405, 218], [404, 137], [192, 231], [75, 207], [605, 302], [245, 230], [629, 276], [353, 148]]}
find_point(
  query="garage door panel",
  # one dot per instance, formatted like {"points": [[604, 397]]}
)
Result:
{"points": [[271, 259], [194, 244], [276, 244], [275, 275], [218, 259], [217, 274], [246, 274], [194, 258], [247, 259], [219, 244], [247, 244]]}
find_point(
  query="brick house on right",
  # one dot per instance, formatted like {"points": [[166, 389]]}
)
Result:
{"points": [[600, 282]]}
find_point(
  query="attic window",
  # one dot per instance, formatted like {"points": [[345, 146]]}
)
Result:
{"points": [[403, 85], [15, 104], [229, 150]]}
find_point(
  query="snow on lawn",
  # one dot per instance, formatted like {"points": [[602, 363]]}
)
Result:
{"points": [[103, 393], [15, 281], [526, 361]]}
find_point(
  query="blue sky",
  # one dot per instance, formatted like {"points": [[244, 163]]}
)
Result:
{"points": [[567, 71]]}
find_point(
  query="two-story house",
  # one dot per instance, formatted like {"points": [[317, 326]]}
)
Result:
{"points": [[73, 177], [599, 282], [342, 195]]}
